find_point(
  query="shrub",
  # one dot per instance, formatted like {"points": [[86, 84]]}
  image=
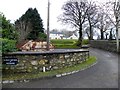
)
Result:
{"points": [[8, 45], [85, 42], [42, 36]]}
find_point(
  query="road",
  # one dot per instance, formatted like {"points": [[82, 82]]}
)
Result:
{"points": [[103, 75]]}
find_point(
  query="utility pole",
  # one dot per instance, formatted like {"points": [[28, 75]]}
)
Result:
{"points": [[118, 35], [117, 40], [48, 17], [117, 15]]}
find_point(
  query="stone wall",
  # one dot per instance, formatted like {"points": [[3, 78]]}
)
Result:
{"points": [[34, 62], [104, 44]]}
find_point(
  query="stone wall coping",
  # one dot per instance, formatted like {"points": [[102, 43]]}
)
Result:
{"points": [[55, 51]]}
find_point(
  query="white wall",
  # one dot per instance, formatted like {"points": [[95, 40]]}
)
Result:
{"points": [[56, 36]]}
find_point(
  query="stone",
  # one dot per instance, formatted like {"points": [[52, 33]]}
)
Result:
{"points": [[68, 73], [58, 75], [6, 81], [67, 56], [11, 81], [36, 68], [73, 72], [55, 67], [34, 62], [64, 74]]}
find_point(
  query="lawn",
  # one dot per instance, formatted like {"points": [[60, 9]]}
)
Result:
{"points": [[66, 43]]}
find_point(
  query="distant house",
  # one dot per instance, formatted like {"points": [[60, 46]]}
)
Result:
{"points": [[73, 36], [56, 35], [60, 35]]}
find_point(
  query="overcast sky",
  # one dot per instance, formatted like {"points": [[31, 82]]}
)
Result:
{"points": [[13, 9]]}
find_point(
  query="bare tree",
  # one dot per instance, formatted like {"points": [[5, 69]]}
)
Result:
{"points": [[114, 7], [75, 14], [92, 17], [117, 17], [104, 23]]}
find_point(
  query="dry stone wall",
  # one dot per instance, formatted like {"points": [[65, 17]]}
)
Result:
{"points": [[104, 44], [31, 63]]}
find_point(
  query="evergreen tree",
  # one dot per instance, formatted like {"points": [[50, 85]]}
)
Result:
{"points": [[32, 20]]}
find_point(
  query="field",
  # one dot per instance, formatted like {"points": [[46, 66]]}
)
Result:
{"points": [[66, 43]]}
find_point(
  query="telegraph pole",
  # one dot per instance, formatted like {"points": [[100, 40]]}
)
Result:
{"points": [[48, 17], [117, 25], [117, 40]]}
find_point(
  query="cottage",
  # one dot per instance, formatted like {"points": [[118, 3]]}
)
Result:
{"points": [[73, 36]]}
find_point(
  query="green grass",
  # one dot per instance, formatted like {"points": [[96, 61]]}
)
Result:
{"points": [[23, 76], [68, 46], [63, 41], [66, 43]]}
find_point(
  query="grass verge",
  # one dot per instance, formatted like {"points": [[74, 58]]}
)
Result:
{"points": [[83, 65]]}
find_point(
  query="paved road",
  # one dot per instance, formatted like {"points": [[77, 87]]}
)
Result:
{"points": [[103, 75]]}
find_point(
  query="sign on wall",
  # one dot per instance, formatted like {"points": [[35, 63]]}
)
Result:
{"points": [[10, 61]]}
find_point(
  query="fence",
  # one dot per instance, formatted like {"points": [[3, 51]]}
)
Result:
{"points": [[31, 62]]}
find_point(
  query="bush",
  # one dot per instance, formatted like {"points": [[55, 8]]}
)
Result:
{"points": [[8, 45], [85, 42], [42, 36]]}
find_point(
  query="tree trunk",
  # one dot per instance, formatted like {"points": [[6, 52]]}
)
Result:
{"points": [[91, 32], [106, 35], [102, 33], [80, 37], [110, 37], [102, 36]]}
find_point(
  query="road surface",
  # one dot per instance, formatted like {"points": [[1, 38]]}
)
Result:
{"points": [[103, 75]]}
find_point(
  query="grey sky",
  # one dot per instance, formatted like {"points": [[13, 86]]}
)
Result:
{"points": [[13, 9]]}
